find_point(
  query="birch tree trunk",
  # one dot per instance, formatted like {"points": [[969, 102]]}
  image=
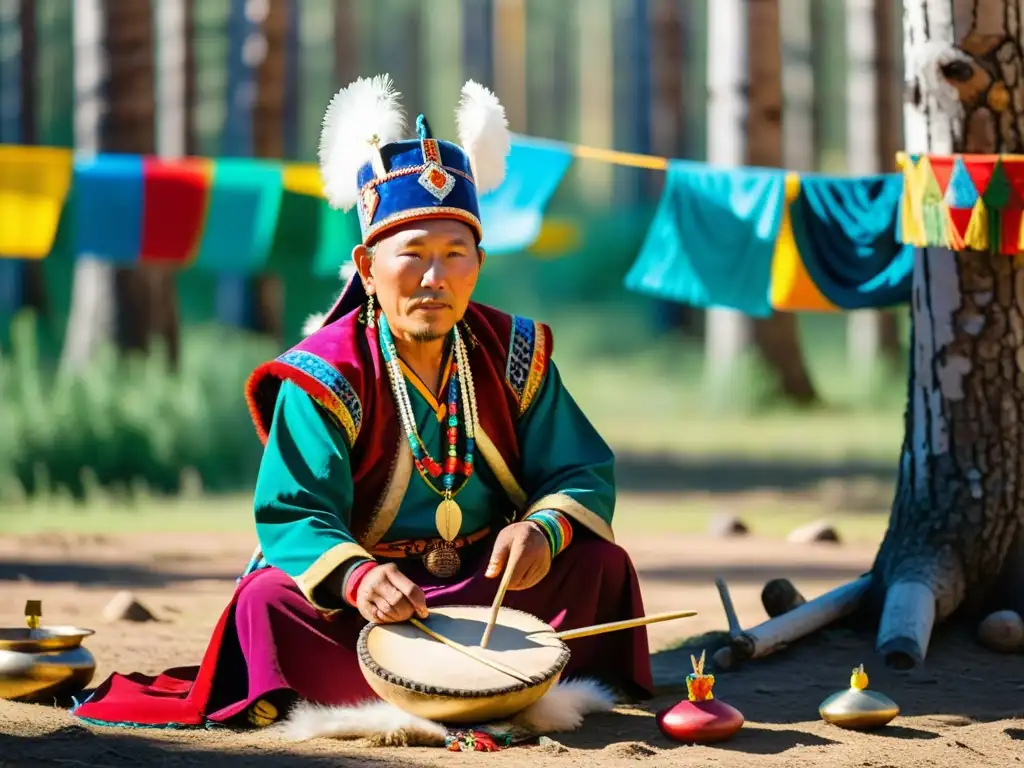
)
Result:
{"points": [[959, 502], [728, 334], [90, 318]]}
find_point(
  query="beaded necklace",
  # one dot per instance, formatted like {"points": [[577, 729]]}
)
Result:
{"points": [[460, 387]]}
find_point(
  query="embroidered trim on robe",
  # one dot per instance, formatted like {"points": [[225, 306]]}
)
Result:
{"points": [[527, 360], [324, 383]]}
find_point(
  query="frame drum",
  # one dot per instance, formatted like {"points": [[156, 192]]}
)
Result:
{"points": [[424, 677]]}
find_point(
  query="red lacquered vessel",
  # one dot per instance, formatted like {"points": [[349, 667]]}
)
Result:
{"points": [[700, 718]]}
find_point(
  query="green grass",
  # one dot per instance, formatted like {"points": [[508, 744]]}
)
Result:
{"points": [[126, 447], [768, 514]]}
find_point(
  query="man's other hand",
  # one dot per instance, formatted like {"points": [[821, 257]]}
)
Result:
{"points": [[385, 596]]}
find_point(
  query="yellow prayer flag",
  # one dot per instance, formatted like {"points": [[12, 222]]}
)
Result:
{"points": [[34, 183], [977, 235], [303, 179], [792, 288]]}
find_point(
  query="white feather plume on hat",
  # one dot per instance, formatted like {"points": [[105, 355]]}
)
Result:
{"points": [[483, 134], [362, 117]]}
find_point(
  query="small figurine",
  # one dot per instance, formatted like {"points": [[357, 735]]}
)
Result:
{"points": [[33, 612], [700, 718], [857, 708]]}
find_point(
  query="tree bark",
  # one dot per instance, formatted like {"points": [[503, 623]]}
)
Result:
{"points": [[776, 337], [959, 502]]}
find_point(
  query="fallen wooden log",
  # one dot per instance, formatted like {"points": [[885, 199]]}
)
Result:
{"points": [[782, 630], [779, 596]]}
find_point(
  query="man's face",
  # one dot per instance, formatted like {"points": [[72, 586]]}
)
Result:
{"points": [[423, 275]]}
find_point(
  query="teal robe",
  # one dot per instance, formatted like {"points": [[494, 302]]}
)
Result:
{"points": [[304, 489]]}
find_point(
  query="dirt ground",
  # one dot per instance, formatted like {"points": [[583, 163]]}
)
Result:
{"points": [[965, 706]]}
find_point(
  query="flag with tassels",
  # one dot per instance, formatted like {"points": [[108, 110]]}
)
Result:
{"points": [[961, 201]]}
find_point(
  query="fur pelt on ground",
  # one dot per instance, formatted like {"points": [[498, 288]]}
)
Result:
{"points": [[382, 724]]}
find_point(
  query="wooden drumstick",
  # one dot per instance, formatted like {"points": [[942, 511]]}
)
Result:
{"points": [[510, 566], [469, 652], [615, 626]]}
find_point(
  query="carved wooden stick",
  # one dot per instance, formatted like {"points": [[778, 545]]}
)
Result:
{"points": [[779, 632], [735, 630]]}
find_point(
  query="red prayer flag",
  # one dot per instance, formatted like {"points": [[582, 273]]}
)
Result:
{"points": [[175, 196], [942, 169], [960, 219], [980, 169], [1014, 170]]}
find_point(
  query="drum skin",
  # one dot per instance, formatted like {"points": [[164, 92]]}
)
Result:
{"points": [[426, 678]]}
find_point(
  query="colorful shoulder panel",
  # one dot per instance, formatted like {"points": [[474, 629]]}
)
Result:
{"points": [[529, 350], [317, 370], [317, 378]]}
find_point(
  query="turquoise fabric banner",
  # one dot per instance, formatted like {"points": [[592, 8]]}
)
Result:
{"points": [[845, 230], [245, 199], [512, 214], [712, 238]]}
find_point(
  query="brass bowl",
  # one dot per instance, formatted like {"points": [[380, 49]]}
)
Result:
{"points": [[858, 710], [38, 665], [43, 639]]}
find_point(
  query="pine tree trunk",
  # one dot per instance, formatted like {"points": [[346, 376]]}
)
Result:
{"points": [[872, 143], [33, 278], [889, 127], [776, 337], [265, 289], [959, 502], [145, 296], [667, 38]]}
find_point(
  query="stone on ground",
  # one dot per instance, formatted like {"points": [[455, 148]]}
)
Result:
{"points": [[818, 531], [1002, 631], [725, 526], [125, 607]]}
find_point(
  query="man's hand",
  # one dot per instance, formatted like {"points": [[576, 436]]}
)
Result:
{"points": [[385, 596], [526, 539]]}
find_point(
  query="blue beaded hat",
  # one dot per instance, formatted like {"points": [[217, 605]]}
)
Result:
{"points": [[366, 161]]}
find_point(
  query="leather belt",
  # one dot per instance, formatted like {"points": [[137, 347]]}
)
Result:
{"points": [[419, 547]]}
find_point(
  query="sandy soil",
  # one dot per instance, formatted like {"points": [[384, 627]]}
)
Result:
{"points": [[965, 707]]}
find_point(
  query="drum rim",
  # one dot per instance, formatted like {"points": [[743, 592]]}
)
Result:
{"points": [[368, 663]]}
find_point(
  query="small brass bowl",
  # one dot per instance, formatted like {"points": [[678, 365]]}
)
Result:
{"points": [[858, 710], [42, 664]]}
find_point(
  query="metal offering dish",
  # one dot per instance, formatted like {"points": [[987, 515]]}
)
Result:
{"points": [[40, 664]]}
